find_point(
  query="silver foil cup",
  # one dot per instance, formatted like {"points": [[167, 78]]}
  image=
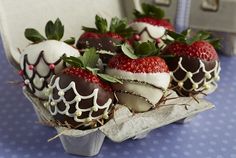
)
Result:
{"points": [[84, 143]]}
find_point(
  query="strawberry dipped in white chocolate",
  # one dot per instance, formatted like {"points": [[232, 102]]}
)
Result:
{"points": [[150, 24], [43, 58], [145, 76]]}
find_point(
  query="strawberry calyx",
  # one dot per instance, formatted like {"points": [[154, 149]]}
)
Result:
{"points": [[189, 38], [139, 50], [117, 26], [87, 75], [53, 31], [88, 62]]}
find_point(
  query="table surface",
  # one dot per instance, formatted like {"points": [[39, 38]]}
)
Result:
{"points": [[211, 134]]}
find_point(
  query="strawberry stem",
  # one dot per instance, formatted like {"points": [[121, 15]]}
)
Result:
{"points": [[119, 26]]}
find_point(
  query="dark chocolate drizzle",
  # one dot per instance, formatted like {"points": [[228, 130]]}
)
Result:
{"points": [[142, 83], [137, 95], [103, 43], [51, 72]]}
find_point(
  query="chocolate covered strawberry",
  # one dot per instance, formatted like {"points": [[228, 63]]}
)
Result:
{"points": [[145, 76], [79, 96], [150, 24], [105, 38], [194, 64], [42, 58]]}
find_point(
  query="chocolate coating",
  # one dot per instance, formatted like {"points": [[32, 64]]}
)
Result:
{"points": [[103, 43], [191, 65], [84, 88]]}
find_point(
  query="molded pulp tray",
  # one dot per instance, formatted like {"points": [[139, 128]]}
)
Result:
{"points": [[124, 125]]}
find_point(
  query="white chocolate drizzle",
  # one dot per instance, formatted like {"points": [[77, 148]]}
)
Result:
{"points": [[77, 99], [207, 80]]}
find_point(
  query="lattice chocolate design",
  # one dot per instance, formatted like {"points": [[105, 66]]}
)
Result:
{"points": [[29, 80], [54, 110], [210, 77]]}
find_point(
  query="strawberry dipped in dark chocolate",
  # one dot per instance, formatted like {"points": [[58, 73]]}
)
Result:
{"points": [[150, 24], [145, 76], [80, 96], [193, 62], [105, 38]]}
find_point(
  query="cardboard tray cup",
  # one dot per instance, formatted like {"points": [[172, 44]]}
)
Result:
{"points": [[125, 124]]}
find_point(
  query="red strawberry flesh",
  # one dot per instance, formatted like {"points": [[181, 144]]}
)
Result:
{"points": [[199, 49], [113, 35], [140, 65], [89, 35], [88, 76]]}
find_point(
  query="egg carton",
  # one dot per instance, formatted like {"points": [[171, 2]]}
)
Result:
{"points": [[124, 125]]}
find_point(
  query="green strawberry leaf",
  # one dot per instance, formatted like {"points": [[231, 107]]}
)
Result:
{"points": [[116, 24], [33, 35], [101, 24], [89, 29], [138, 14], [203, 35], [120, 26], [59, 29], [54, 30], [138, 50], [186, 37], [70, 41], [49, 30], [175, 35], [73, 61], [186, 32], [90, 58], [109, 78], [146, 49], [149, 11], [216, 43], [128, 32], [128, 51], [167, 41], [93, 70]]}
